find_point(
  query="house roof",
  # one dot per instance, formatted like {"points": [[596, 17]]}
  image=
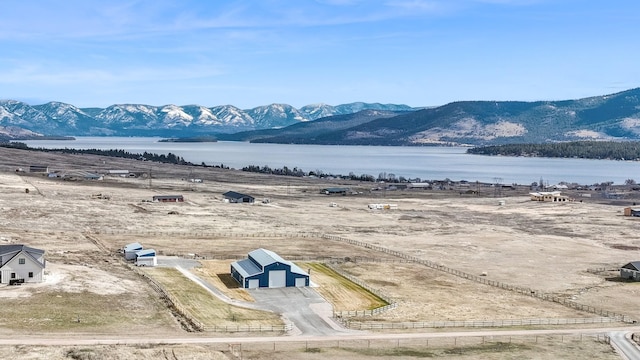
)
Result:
{"points": [[634, 265], [14, 250], [235, 195], [8, 249], [246, 268]]}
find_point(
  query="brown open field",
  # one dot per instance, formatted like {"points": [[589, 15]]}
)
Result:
{"points": [[547, 247]]}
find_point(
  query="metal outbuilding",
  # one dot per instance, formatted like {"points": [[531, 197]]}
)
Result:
{"points": [[146, 257], [130, 250], [266, 269], [168, 198]]}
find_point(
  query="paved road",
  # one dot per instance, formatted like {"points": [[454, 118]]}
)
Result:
{"points": [[627, 349], [309, 312]]}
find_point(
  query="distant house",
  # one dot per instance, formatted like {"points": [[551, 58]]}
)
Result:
{"points": [[168, 198], [21, 264], [266, 269], [631, 271], [628, 211], [334, 191], [236, 197], [553, 196]]}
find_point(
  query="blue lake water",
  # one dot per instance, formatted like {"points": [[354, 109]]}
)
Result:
{"points": [[426, 163]]}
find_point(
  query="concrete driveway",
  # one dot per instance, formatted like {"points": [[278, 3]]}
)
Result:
{"points": [[304, 307], [309, 312]]}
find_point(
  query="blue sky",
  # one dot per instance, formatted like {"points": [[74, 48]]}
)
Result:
{"points": [[299, 52]]}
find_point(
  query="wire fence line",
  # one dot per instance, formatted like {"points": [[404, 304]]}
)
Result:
{"points": [[380, 325], [199, 326], [173, 302], [240, 350], [483, 280], [408, 258], [391, 304]]}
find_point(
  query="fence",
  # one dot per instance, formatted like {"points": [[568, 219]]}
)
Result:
{"points": [[195, 324], [428, 346], [369, 312], [408, 258], [370, 325], [192, 322], [485, 281]]}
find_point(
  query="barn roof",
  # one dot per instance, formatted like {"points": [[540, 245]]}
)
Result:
{"points": [[246, 268], [634, 265], [267, 257]]}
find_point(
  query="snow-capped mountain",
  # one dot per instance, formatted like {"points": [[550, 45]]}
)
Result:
{"points": [[60, 119], [276, 116]]}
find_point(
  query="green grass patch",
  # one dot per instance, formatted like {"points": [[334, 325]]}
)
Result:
{"points": [[204, 306], [342, 293]]}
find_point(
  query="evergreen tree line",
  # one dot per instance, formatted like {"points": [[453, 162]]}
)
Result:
{"points": [[146, 156], [604, 150], [300, 173]]}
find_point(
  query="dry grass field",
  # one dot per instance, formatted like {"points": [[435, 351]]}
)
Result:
{"points": [[544, 246]]}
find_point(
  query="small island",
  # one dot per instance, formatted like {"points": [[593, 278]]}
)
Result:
{"points": [[603, 150], [205, 138]]}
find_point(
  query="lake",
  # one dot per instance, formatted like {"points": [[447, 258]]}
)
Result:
{"points": [[426, 163]]}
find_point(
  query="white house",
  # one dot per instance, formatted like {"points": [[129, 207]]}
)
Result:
{"points": [[20, 263]]}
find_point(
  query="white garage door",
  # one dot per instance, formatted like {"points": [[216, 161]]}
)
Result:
{"points": [[277, 278], [253, 283], [300, 282]]}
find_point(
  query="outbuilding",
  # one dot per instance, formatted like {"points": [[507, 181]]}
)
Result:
{"points": [[236, 197], [168, 198], [266, 269], [631, 271], [146, 257], [21, 264], [629, 211], [130, 250], [335, 191]]}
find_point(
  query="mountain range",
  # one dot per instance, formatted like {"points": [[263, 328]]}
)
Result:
{"points": [[607, 117], [61, 119]]}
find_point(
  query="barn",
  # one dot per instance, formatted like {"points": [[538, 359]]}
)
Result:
{"points": [[20, 264], [266, 269], [130, 250], [631, 271], [236, 197], [168, 198], [146, 257], [335, 191]]}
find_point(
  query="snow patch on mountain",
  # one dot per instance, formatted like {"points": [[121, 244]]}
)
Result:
{"points": [[469, 128]]}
